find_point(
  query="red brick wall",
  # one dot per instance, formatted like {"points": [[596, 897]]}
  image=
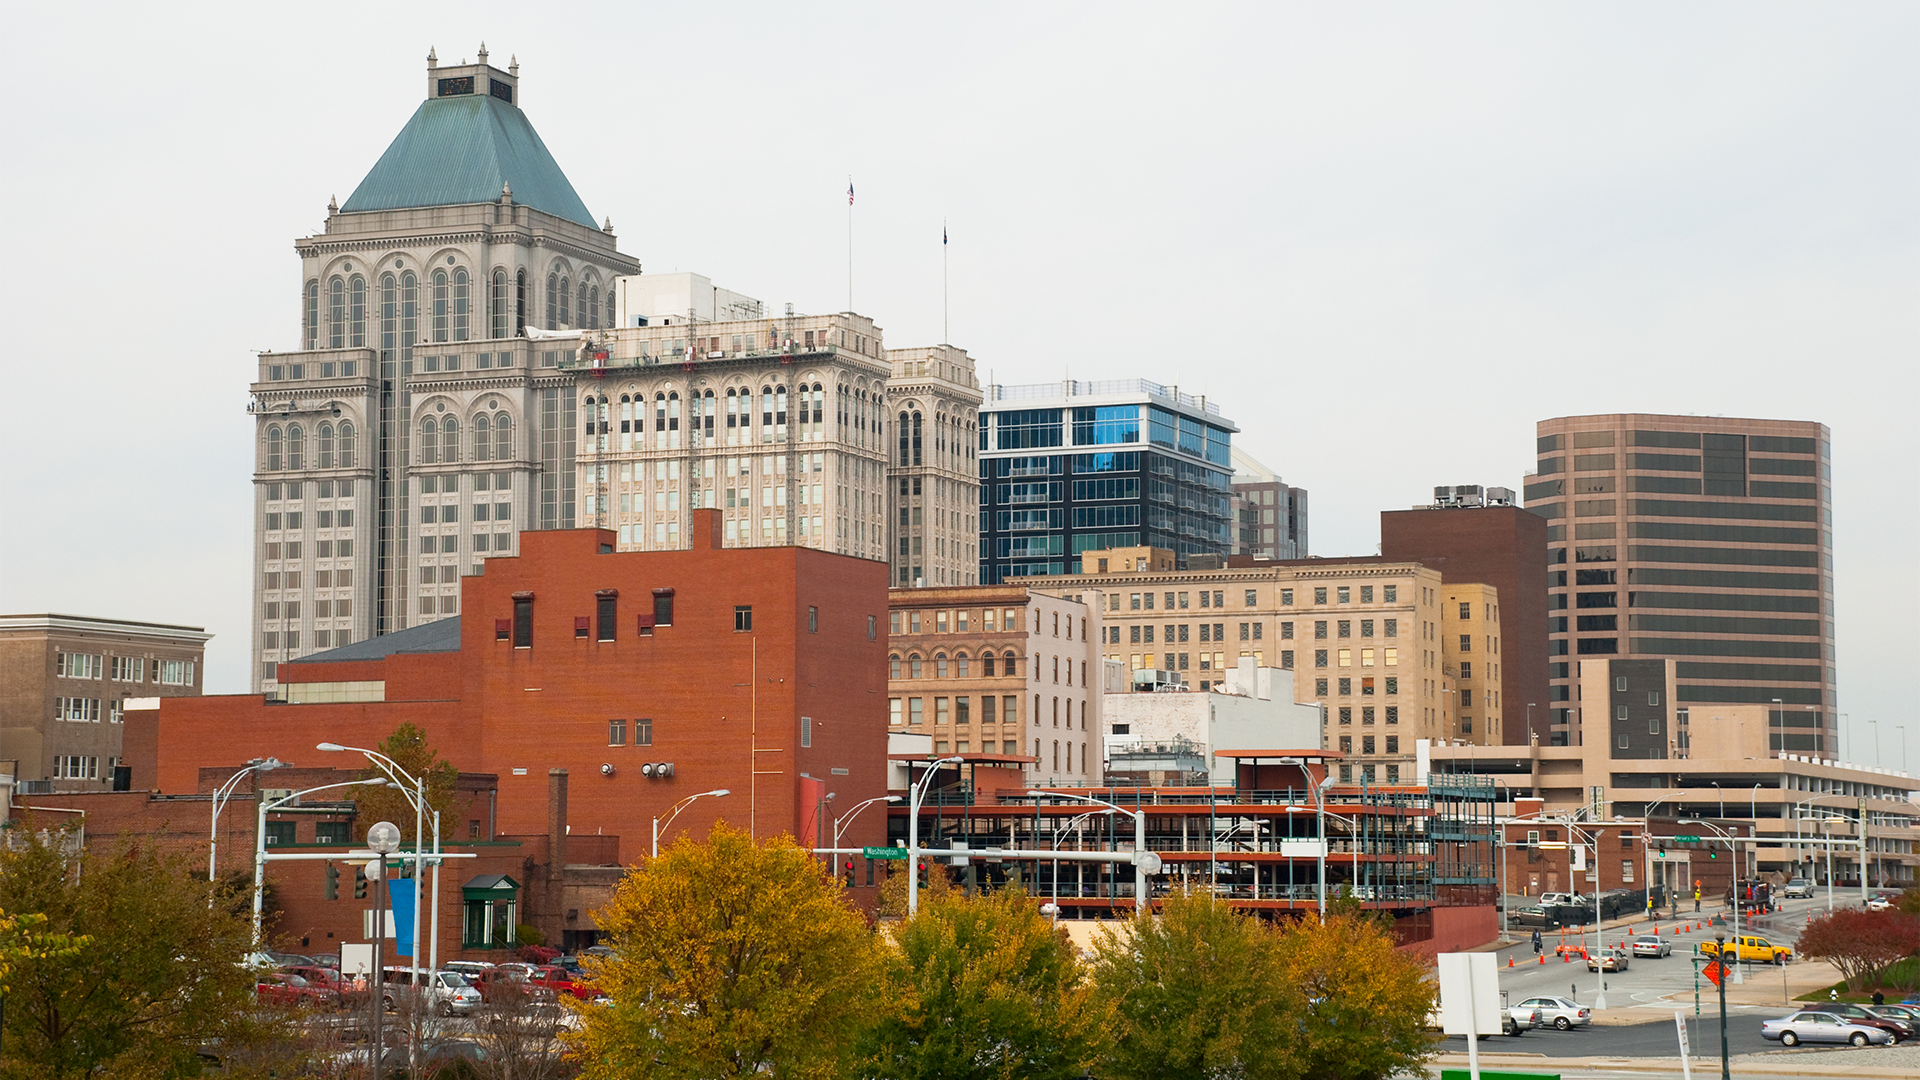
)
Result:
{"points": [[1458, 929], [725, 706]]}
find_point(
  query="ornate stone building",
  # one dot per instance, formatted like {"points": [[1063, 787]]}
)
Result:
{"points": [[420, 428]]}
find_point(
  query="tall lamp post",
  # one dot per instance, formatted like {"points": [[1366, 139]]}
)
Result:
{"points": [[660, 823], [1144, 862], [260, 843], [917, 791], [1733, 854], [223, 795], [383, 839], [415, 789]]}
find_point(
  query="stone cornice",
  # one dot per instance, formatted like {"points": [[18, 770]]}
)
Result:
{"points": [[325, 246]]}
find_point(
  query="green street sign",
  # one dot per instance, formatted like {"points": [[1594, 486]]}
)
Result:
{"points": [[1687, 839], [898, 854]]}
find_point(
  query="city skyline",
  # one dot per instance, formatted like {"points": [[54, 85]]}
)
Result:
{"points": [[1461, 206]]}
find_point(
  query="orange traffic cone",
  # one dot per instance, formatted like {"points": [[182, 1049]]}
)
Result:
{"points": [[1543, 958], [1509, 961]]}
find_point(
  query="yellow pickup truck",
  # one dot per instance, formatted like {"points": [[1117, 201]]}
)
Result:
{"points": [[1751, 949]]}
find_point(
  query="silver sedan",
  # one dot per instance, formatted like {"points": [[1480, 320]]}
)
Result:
{"points": [[1652, 945], [1813, 1026]]}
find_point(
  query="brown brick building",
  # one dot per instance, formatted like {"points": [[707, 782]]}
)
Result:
{"points": [[65, 685], [1502, 546]]}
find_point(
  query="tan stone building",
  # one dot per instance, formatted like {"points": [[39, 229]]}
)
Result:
{"points": [[1000, 674], [1369, 640], [65, 685], [1470, 639], [935, 480]]}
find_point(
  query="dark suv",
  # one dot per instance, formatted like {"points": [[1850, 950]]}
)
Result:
{"points": [[1901, 1030]]}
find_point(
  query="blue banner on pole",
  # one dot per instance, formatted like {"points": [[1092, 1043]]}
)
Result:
{"points": [[401, 893]]}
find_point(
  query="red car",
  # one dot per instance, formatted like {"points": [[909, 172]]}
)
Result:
{"points": [[282, 988], [326, 978], [561, 981]]}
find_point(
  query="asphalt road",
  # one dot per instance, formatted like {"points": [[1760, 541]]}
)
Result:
{"points": [[1637, 1020]]}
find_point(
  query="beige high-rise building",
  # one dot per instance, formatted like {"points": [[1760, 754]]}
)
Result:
{"points": [[1470, 644], [419, 428], [1368, 640], [935, 478], [1704, 539]]}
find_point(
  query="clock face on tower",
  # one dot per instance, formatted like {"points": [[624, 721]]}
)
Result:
{"points": [[456, 86]]}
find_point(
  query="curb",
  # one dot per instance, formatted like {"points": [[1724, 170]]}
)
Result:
{"points": [[1745, 1066]]}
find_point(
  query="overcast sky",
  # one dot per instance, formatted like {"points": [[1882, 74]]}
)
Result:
{"points": [[1388, 238]]}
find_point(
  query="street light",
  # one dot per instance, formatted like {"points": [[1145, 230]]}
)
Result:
{"points": [[675, 812], [1071, 826], [1723, 799], [840, 823], [264, 807], [1321, 815], [383, 839], [1144, 862], [1733, 854], [915, 792], [415, 789], [223, 795]]}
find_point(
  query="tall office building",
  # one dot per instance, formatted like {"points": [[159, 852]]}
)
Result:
{"points": [[1074, 466], [419, 429], [1706, 540], [935, 477], [1269, 515]]}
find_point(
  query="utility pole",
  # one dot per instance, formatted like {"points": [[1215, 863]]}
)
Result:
{"points": [[1720, 957]]}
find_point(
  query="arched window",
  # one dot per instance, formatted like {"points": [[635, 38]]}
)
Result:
{"points": [[940, 665], [346, 444], [449, 440], [566, 317], [429, 442], [409, 312], [499, 301], [673, 411], [960, 664], [913, 666], [461, 304], [482, 438], [659, 412], [519, 302], [733, 409], [337, 314], [553, 301], [905, 427], [312, 310], [986, 663], [274, 460], [1012, 664], [296, 446], [580, 308], [357, 311], [819, 403], [916, 438], [389, 313], [502, 437], [593, 309], [441, 312], [707, 410], [325, 439], [766, 410]]}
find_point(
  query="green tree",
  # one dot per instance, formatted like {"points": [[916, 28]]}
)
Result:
{"points": [[149, 971], [1199, 992], [1362, 1003], [730, 958], [984, 987], [408, 747]]}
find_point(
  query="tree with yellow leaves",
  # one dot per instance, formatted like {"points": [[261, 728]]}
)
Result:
{"points": [[731, 958], [1362, 1003], [984, 987]]}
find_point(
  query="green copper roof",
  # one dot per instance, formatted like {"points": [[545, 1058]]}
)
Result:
{"points": [[463, 150]]}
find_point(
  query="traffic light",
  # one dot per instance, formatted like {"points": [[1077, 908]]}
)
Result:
{"points": [[360, 883], [923, 875], [1663, 849], [333, 882], [1713, 853], [849, 873]]}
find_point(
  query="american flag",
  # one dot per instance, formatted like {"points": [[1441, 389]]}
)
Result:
{"points": [[849, 193]]}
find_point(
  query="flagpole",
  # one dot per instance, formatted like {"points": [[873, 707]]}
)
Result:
{"points": [[849, 245], [946, 337]]}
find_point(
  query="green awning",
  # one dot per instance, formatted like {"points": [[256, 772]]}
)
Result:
{"points": [[490, 887]]}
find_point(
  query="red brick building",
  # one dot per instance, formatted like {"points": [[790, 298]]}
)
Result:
{"points": [[758, 670]]}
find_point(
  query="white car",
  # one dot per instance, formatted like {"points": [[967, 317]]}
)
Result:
{"points": [[1799, 888], [1562, 1013], [1883, 902], [1652, 945]]}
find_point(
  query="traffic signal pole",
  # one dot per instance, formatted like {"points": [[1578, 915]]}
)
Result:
{"points": [[1726, 1071]]}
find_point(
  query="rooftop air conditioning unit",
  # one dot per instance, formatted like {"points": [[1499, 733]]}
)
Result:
{"points": [[1443, 496], [1467, 495], [1499, 496]]}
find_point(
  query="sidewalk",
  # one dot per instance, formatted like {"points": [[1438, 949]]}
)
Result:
{"points": [[1880, 1063]]}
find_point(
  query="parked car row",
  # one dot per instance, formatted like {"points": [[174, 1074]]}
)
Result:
{"points": [[1844, 1022], [458, 989]]}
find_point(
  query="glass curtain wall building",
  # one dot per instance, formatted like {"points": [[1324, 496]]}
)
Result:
{"points": [[1074, 466]]}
